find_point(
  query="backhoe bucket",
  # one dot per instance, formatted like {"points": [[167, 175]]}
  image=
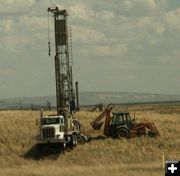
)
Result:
{"points": [[97, 126]]}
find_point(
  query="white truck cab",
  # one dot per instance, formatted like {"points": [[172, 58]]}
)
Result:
{"points": [[51, 129]]}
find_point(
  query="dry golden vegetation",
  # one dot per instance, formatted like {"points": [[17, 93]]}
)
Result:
{"points": [[132, 157]]}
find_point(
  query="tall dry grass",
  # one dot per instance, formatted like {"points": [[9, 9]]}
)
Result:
{"points": [[136, 156]]}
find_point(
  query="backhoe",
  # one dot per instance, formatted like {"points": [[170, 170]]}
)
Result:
{"points": [[120, 124]]}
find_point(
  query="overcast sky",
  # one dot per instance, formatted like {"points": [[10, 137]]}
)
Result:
{"points": [[118, 45]]}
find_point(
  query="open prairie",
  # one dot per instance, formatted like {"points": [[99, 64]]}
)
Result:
{"points": [[130, 157]]}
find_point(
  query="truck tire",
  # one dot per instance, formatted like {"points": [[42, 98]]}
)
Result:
{"points": [[63, 147], [82, 139], [73, 141], [122, 133]]}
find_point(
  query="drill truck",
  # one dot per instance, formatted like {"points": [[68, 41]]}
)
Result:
{"points": [[61, 128], [121, 125]]}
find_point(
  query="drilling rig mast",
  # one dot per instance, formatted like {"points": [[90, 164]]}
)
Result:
{"points": [[61, 128], [65, 96]]}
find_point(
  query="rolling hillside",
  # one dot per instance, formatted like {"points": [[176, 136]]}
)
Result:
{"points": [[90, 98]]}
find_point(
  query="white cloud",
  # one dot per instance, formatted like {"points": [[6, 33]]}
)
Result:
{"points": [[137, 33], [9, 25], [32, 23], [13, 45], [151, 4], [150, 25], [6, 26], [87, 35], [148, 4], [105, 15], [172, 18], [105, 51], [127, 4], [13, 6], [112, 50], [81, 11], [23, 33], [144, 7]]}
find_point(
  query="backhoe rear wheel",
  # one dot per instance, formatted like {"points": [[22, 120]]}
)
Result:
{"points": [[122, 133]]}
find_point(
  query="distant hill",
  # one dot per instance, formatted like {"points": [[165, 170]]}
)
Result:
{"points": [[89, 98]]}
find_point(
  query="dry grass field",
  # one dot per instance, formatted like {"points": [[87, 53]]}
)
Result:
{"points": [[133, 157]]}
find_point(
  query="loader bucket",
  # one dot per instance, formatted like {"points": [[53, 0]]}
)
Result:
{"points": [[153, 131], [97, 126], [145, 127]]}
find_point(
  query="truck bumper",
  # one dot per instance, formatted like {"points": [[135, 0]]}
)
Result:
{"points": [[49, 141]]}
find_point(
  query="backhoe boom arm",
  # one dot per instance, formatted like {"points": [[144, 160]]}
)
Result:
{"points": [[96, 124]]}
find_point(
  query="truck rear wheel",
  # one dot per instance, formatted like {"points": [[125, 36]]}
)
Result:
{"points": [[122, 133], [72, 143], [82, 139]]}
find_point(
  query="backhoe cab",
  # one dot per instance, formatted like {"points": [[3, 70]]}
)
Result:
{"points": [[120, 124]]}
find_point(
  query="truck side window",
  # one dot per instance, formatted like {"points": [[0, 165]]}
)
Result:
{"points": [[62, 121]]}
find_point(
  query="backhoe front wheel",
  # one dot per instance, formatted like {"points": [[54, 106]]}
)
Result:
{"points": [[122, 133]]}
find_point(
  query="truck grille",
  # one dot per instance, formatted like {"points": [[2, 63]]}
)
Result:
{"points": [[48, 132]]}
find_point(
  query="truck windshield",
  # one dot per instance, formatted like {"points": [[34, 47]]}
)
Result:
{"points": [[48, 121]]}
